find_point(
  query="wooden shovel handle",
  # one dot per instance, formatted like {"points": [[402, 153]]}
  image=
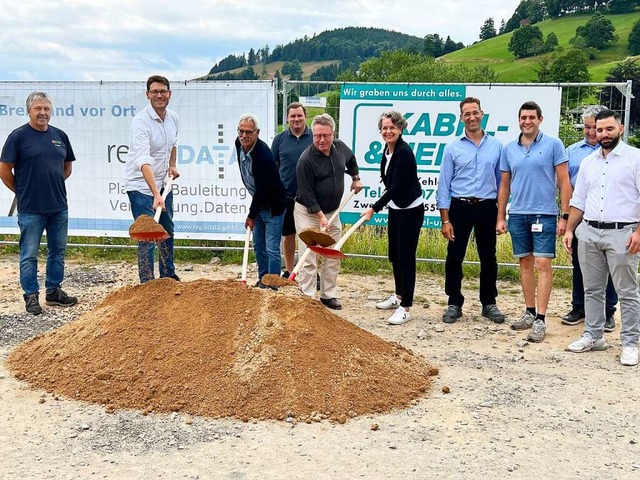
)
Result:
{"points": [[165, 193], [307, 252], [245, 256]]}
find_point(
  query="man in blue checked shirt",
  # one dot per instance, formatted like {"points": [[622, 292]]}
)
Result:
{"points": [[576, 153], [467, 192]]}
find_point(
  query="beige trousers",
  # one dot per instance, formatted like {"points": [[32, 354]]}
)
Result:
{"points": [[330, 267]]}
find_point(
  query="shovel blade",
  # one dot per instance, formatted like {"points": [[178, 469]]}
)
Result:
{"points": [[149, 236], [328, 252]]}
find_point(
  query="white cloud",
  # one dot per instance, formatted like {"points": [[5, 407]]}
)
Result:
{"points": [[130, 39]]}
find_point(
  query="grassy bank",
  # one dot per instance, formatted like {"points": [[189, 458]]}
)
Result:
{"points": [[368, 240]]}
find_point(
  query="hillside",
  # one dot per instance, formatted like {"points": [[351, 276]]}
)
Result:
{"points": [[493, 52], [346, 47]]}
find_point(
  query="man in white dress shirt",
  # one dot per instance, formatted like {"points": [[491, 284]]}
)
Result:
{"points": [[152, 154], [605, 208]]}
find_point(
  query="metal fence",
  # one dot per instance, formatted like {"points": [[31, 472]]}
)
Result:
{"points": [[575, 96]]}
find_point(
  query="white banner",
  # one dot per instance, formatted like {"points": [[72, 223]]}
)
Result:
{"points": [[210, 201], [433, 116]]}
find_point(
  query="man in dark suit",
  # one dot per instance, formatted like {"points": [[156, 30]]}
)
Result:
{"points": [[260, 177]]}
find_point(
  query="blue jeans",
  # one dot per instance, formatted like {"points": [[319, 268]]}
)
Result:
{"points": [[143, 204], [266, 242], [32, 225], [525, 242]]}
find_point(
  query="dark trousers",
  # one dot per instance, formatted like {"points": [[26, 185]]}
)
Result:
{"points": [[404, 231], [577, 294], [480, 217]]}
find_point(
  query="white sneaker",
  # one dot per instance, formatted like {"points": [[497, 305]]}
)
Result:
{"points": [[586, 343], [399, 317], [389, 303], [629, 356]]}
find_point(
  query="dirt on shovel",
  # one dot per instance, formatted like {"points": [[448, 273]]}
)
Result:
{"points": [[315, 236], [277, 281], [146, 229]]}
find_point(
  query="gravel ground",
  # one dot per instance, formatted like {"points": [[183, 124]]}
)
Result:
{"points": [[515, 410]]}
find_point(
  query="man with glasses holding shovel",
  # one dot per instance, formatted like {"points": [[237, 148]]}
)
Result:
{"points": [[152, 155], [320, 173]]}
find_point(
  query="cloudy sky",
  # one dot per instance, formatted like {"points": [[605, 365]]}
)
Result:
{"points": [[131, 39]]}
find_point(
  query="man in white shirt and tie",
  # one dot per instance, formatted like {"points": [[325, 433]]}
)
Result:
{"points": [[605, 208]]}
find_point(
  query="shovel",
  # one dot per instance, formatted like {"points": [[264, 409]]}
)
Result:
{"points": [[245, 256], [313, 236], [335, 251], [306, 253], [147, 229]]}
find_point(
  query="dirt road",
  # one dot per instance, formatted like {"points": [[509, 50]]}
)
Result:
{"points": [[515, 410]]}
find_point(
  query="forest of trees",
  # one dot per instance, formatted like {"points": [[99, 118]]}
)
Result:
{"points": [[348, 46], [538, 10]]}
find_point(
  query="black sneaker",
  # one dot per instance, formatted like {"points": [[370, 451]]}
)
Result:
{"points": [[264, 286], [331, 303], [574, 317], [493, 313], [452, 314], [286, 274], [175, 277], [609, 324], [60, 298], [32, 304]]}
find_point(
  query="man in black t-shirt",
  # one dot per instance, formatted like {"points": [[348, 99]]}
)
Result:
{"points": [[35, 162]]}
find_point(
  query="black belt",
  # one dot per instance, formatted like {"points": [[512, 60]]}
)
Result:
{"points": [[608, 225], [473, 199]]}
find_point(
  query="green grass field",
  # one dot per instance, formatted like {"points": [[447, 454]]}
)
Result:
{"points": [[493, 52], [368, 240]]}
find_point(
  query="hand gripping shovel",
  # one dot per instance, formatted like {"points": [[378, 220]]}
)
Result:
{"points": [[245, 256], [307, 252], [335, 251], [147, 229], [315, 236]]}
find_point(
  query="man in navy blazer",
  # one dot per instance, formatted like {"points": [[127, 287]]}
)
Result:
{"points": [[261, 178]]}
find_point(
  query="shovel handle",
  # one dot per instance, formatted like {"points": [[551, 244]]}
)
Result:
{"points": [[348, 233], [337, 212], [245, 256], [165, 193], [307, 252]]}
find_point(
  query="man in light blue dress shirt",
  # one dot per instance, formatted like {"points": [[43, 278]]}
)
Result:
{"points": [[467, 192]]}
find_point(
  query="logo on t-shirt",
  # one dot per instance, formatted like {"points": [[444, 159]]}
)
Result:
{"points": [[56, 143]]}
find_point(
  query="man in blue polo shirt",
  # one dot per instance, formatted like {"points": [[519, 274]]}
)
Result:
{"points": [[531, 168], [287, 147], [467, 192], [36, 160], [576, 153]]}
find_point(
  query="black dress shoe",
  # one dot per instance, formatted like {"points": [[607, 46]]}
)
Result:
{"points": [[609, 324], [574, 317], [331, 303]]}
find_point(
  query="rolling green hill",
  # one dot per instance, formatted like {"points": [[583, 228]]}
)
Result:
{"points": [[493, 52]]}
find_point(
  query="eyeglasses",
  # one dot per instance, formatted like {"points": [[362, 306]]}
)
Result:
{"points": [[246, 132], [325, 136], [159, 92], [390, 128]]}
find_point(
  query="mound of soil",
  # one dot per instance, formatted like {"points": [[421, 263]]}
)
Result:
{"points": [[146, 228], [221, 349]]}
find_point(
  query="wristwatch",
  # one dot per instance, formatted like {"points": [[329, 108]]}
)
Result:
{"points": [[356, 178], [564, 216]]}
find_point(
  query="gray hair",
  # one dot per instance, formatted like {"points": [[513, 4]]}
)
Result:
{"points": [[396, 118], [250, 117], [592, 110], [34, 96], [323, 119]]}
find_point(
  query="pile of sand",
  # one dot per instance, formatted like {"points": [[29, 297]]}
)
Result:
{"points": [[219, 348]]}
